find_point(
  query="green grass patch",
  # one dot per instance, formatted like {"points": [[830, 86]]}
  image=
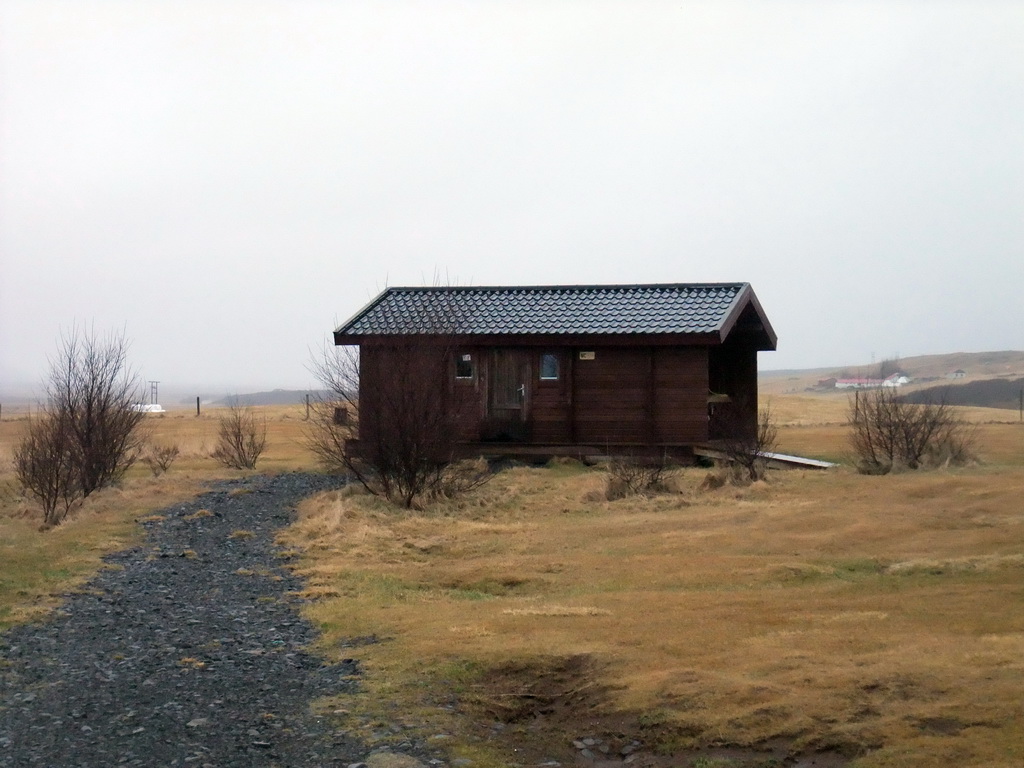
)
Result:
{"points": [[40, 565]]}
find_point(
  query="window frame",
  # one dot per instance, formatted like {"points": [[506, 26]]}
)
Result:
{"points": [[557, 359], [461, 358]]}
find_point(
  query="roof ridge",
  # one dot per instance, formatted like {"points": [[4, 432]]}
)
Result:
{"points": [[690, 309], [561, 287]]}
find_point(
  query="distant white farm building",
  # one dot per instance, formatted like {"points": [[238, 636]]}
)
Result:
{"points": [[895, 380], [858, 383], [148, 408]]}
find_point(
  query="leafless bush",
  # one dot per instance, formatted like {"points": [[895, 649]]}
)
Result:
{"points": [[632, 476], [746, 445], [714, 480], [92, 393], [401, 436], [955, 447], [334, 417], [48, 465], [406, 425], [887, 433], [159, 458], [241, 438], [89, 433], [460, 477]]}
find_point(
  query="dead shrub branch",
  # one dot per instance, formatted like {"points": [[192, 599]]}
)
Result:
{"points": [[887, 433], [89, 433], [241, 438], [394, 400], [748, 444]]}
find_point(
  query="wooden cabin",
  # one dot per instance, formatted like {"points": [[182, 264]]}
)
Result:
{"points": [[567, 370]]}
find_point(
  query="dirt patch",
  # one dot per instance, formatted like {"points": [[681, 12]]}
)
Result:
{"points": [[556, 690], [559, 709], [943, 726]]}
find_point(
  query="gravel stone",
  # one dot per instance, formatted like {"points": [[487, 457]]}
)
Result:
{"points": [[187, 651]]}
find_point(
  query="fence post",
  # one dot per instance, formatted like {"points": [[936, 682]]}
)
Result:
{"points": [[197, 405]]}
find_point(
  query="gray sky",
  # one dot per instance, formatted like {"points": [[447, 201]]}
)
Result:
{"points": [[226, 181]]}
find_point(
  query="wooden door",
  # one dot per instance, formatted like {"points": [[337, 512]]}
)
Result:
{"points": [[508, 401]]}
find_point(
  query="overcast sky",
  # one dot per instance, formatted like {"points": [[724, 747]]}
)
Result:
{"points": [[225, 182]]}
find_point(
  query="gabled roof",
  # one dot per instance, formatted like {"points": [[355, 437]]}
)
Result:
{"points": [[690, 309]]}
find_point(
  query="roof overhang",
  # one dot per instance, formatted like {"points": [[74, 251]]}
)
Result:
{"points": [[537, 340], [744, 319], [746, 316]]}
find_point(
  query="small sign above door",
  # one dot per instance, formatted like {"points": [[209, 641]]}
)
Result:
{"points": [[588, 355]]}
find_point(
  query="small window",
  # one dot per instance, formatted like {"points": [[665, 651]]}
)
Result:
{"points": [[464, 366], [549, 367]]}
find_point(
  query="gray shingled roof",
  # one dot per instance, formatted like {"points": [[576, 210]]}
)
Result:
{"points": [[694, 308]]}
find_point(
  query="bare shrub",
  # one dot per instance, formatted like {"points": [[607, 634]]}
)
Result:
{"points": [[159, 458], [746, 446], [92, 393], [89, 433], [956, 447], [713, 481], [241, 438], [48, 466], [460, 477], [398, 438], [334, 417], [632, 476], [887, 433], [731, 473]]}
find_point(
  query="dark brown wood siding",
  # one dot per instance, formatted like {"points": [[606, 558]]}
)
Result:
{"points": [[612, 396], [408, 381], [371, 362], [656, 395], [681, 388], [551, 407]]}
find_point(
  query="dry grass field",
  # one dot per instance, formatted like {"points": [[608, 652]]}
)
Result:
{"points": [[37, 566], [813, 425], [876, 620], [871, 621]]}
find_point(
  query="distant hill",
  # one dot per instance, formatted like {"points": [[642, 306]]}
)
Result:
{"points": [[923, 369], [973, 364], [273, 397], [987, 393]]}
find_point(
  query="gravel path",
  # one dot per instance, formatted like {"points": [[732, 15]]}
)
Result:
{"points": [[187, 651]]}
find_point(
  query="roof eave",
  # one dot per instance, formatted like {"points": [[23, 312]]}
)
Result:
{"points": [[342, 330], [697, 338], [743, 298]]}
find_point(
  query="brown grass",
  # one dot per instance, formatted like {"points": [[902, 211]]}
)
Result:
{"points": [[814, 426], [880, 617], [36, 566]]}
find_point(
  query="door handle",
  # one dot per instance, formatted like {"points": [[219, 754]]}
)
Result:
{"points": [[522, 391]]}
